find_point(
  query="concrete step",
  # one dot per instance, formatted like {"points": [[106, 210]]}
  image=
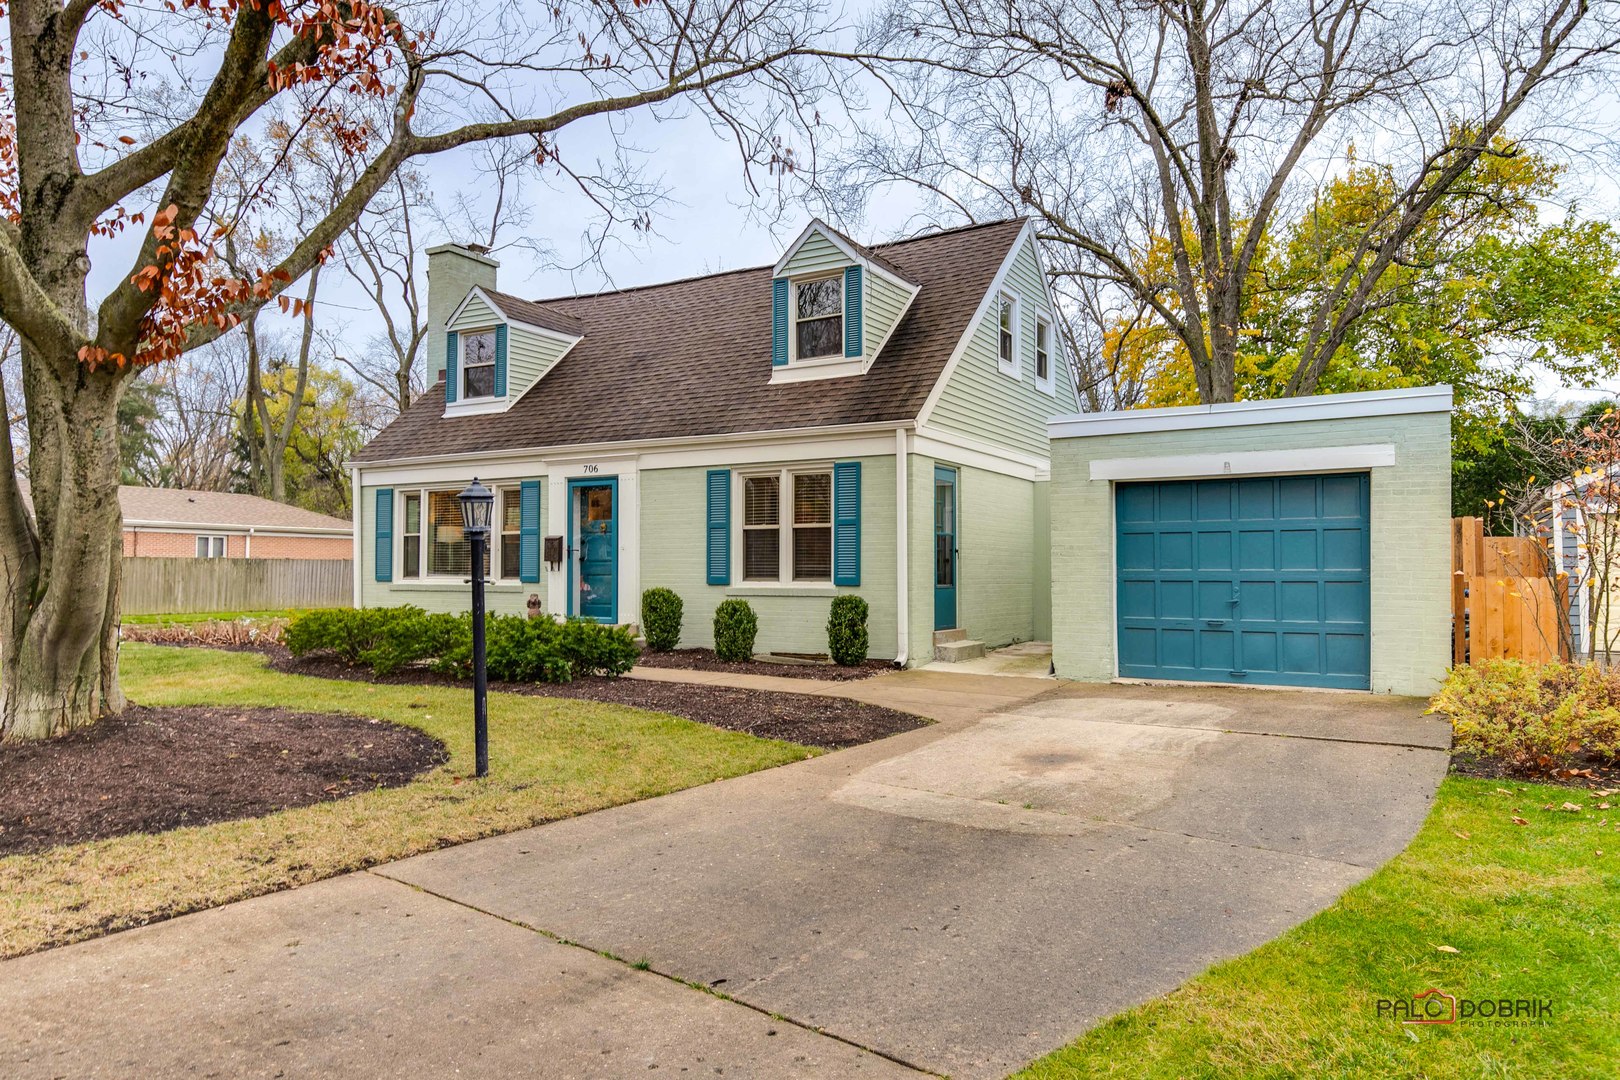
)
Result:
{"points": [[945, 637], [952, 652]]}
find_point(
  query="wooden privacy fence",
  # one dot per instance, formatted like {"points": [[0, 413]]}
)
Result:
{"points": [[163, 586], [1502, 602]]}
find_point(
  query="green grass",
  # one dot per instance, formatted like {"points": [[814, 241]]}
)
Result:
{"points": [[549, 758], [1533, 912], [186, 618]]}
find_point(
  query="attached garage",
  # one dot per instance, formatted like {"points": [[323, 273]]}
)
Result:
{"points": [[1287, 543]]}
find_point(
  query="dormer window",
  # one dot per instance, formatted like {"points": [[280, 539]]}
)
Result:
{"points": [[818, 318], [477, 364]]}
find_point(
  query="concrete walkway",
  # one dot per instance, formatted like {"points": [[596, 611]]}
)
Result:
{"points": [[954, 900]]}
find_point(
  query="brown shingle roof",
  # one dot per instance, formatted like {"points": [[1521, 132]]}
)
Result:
{"points": [[218, 509], [527, 311], [692, 357]]}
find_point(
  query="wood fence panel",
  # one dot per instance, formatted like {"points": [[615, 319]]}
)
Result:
{"points": [[1502, 603], [154, 586]]}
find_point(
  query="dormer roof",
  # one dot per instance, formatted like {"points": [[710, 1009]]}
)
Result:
{"points": [[857, 253]]}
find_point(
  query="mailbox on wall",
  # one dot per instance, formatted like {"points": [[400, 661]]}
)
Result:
{"points": [[554, 552]]}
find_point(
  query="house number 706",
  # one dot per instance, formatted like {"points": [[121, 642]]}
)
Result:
{"points": [[590, 470]]}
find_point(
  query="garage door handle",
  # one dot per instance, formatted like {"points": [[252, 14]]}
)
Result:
{"points": [[1215, 622]]}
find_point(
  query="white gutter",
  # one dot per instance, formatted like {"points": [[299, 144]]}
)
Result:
{"points": [[354, 506], [231, 530], [902, 621]]}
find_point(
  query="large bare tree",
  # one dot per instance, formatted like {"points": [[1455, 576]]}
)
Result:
{"points": [[1158, 141], [85, 161]]}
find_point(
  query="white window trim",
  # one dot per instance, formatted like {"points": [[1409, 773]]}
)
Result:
{"points": [[461, 366], [793, 321], [1047, 385], [1012, 368], [784, 526], [423, 577], [224, 545]]}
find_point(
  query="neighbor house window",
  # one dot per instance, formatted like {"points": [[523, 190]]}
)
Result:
{"points": [[1007, 333], [818, 318], [1043, 354], [210, 547], [511, 530], [787, 526], [478, 364], [411, 536]]}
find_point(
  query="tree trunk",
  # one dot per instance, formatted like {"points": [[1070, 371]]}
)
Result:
{"points": [[61, 573]]}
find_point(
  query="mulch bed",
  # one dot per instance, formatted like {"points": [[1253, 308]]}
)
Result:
{"points": [[1586, 772], [152, 769], [706, 660], [805, 719]]}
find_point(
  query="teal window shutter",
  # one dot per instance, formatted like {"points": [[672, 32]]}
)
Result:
{"points": [[500, 360], [529, 531], [452, 350], [779, 321], [847, 523], [719, 527], [852, 311], [384, 552]]}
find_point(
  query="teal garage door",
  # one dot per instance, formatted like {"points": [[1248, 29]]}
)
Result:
{"points": [[1260, 580]]}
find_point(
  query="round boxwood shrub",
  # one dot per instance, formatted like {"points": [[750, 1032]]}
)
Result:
{"points": [[735, 627], [847, 639], [661, 619]]}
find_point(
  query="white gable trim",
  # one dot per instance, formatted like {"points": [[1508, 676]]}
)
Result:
{"points": [[817, 225], [996, 284]]}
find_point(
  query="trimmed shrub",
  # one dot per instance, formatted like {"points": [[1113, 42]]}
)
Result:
{"points": [[1534, 718], [847, 639], [518, 649], [735, 627], [661, 619]]}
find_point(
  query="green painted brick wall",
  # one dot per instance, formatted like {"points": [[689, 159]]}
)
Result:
{"points": [[790, 619], [451, 275], [995, 591], [503, 598], [1411, 539]]}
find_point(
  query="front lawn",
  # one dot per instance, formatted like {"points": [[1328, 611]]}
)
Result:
{"points": [[1478, 906], [549, 758]]}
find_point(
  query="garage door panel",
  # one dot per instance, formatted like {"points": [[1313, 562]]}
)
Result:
{"points": [[1256, 580]]}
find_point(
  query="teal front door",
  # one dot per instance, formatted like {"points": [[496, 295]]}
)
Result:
{"points": [[594, 591], [1262, 580], [944, 548]]}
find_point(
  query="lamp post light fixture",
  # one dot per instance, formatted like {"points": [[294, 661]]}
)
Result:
{"points": [[477, 504]]}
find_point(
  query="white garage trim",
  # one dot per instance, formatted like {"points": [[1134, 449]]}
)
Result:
{"points": [[1423, 399], [1324, 459]]}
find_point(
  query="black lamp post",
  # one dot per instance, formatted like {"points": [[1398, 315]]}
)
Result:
{"points": [[477, 504]]}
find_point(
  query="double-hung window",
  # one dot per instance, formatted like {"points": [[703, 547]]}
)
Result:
{"points": [[210, 547], [511, 532], [1007, 334], [477, 364], [787, 526], [411, 536], [1043, 353], [818, 318]]}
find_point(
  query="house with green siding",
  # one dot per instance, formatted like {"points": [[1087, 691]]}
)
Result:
{"points": [[867, 420]]}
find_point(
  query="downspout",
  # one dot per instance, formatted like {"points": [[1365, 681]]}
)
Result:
{"points": [[902, 534], [247, 545]]}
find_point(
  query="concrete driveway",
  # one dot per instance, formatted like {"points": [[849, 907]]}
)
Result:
{"points": [[955, 900]]}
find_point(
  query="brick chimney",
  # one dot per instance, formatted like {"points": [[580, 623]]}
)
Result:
{"points": [[453, 270]]}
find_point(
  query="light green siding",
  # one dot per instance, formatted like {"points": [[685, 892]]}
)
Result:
{"points": [[981, 402], [882, 305], [790, 619], [477, 315], [1411, 546], [501, 597], [995, 584], [529, 356], [817, 255]]}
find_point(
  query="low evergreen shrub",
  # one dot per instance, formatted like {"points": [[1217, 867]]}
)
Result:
{"points": [[661, 611], [847, 639], [735, 627]]}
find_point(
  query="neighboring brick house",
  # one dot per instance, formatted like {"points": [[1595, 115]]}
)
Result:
{"points": [[174, 523]]}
